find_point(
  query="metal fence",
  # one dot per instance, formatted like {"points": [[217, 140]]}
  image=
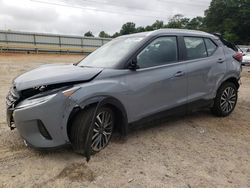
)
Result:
{"points": [[41, 42]]}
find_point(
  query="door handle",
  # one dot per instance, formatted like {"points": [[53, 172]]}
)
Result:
{"points": [[179, 74], [220, 60]]}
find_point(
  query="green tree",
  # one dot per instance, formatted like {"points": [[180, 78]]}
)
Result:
{"points": [[231, 18], [117, 34], [157, 25], [128, 28], [149, 28], [196, 23], [89, 34], [140, 29], [102, 34], [178, 21], [230, 36]]}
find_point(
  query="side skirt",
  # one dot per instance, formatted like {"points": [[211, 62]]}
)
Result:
{"points": [[180, 111]]}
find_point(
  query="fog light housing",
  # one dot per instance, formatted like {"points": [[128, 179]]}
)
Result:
{"points": [[44, 132]]}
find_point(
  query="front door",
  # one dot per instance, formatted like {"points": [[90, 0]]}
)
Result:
{"points": [[160, 83]]}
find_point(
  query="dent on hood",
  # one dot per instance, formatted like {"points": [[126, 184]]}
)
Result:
{"points": [[47, 78], [58, 74]]}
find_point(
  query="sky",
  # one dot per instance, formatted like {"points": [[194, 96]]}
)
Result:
{"points": [[79, 16]]}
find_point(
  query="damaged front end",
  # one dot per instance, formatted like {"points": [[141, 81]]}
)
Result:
{"points": [[39, 105], [16, 101], [40, 114], [14, 97]]}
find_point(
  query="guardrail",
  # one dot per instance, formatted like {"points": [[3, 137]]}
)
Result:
{"points": [[42, 42]]}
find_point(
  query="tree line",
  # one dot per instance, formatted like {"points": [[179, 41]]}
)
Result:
{"points": [[230, 18]]}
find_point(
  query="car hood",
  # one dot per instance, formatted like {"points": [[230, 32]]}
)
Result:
{"points": [[55, 74]]}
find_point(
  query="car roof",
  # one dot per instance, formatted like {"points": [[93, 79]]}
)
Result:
{"points": [[182, 32]]}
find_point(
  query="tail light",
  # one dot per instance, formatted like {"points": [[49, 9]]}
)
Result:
{"points": [[238, 56]]}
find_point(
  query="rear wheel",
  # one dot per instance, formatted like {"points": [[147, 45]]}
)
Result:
{"points": [[225, 100], [101, 130]]}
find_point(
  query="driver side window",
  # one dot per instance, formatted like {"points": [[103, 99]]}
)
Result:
{"points": [[161, 51]]}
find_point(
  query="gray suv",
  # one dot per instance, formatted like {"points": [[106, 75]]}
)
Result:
{"points": [[131, 78]]}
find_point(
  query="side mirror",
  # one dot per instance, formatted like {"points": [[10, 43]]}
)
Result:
{"points": [[133, 64]]}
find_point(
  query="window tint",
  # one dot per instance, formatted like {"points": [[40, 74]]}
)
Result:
{"points": [[211, 47], [161, 51], [195, 47]]}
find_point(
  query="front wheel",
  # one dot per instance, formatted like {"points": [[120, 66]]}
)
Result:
{"points": [[101, 132], [103, 128], [225, 100]]}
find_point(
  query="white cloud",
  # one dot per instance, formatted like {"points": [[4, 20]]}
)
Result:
{"points": [[80, 16]]}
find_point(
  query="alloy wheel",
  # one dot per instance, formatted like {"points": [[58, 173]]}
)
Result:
{"points": [[228, 100], [103, 127]]}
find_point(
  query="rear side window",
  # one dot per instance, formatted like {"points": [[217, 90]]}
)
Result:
{"points": [[195, 47], [161, 51], [211, 47]]}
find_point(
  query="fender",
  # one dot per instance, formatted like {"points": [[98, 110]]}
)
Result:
{"points": [[103, 100], [221, 81], [100, 101]]}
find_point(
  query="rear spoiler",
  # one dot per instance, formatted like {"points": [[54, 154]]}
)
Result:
{"points": [[226, 43]]}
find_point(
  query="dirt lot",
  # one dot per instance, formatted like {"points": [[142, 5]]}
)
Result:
{"points": [[198, 150]]}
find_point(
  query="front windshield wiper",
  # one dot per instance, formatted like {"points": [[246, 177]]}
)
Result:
{"points": [[85, 66], [75, 64]]}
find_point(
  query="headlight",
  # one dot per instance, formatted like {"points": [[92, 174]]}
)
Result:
{"points": [[46, 96], [71, 91], [35, 101]]}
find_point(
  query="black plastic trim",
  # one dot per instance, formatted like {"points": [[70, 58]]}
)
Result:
{"points": [[176, 111]]}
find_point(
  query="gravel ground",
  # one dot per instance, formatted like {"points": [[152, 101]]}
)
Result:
{"points": [[198, 150]]}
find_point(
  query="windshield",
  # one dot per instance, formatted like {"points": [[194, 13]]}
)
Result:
{"points": [[109, 55]]}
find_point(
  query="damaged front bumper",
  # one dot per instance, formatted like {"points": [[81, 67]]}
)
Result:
{"points": [[43, 125], [9, 116]]}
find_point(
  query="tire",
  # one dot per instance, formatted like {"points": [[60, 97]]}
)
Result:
{"points": [[102, 129], [225, 100]]}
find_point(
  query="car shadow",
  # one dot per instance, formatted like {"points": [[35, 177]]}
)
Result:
{"points": [[138, 127], [156, 123]]}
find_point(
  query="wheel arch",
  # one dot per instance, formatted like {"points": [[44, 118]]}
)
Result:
{"points": [[217, 109], [232, 79], [121, 121]]}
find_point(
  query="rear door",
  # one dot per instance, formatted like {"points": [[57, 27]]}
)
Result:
{"points": [[205, 67]]}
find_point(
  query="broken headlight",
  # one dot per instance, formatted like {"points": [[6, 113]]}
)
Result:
{"points": [[46, 96], [35, 101]]}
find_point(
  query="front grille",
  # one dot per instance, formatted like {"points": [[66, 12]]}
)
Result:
{"points": [[12, 97]]}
